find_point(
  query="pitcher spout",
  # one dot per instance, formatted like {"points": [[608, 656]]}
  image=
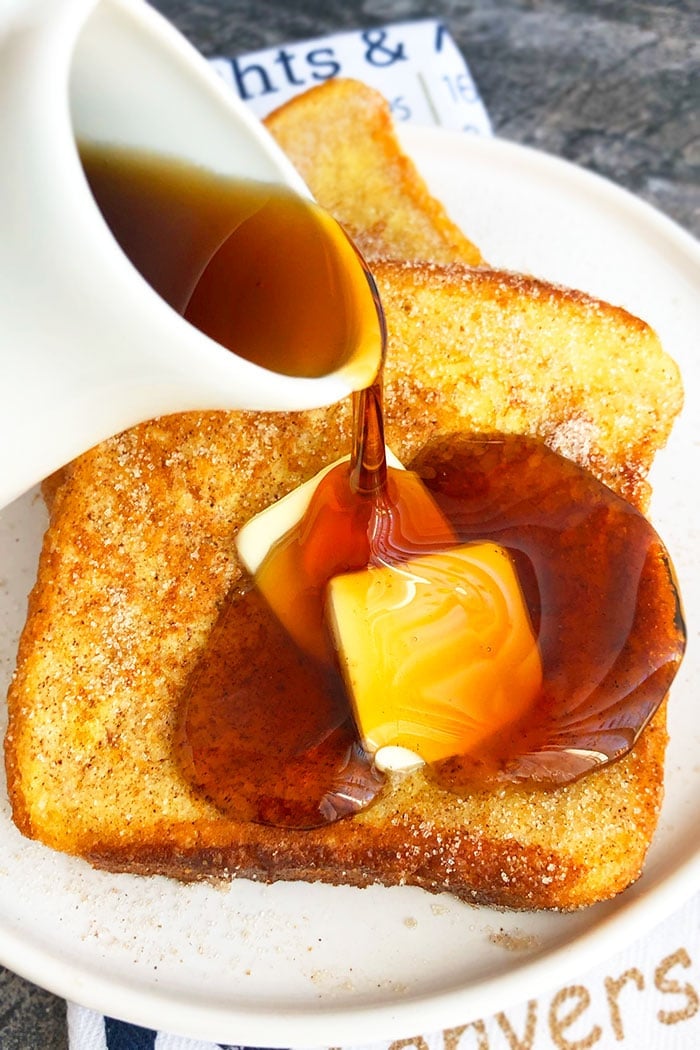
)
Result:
{"points": [[88, 347]]}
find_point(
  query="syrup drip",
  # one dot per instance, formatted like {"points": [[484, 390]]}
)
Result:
{"points": [[363, 513]]}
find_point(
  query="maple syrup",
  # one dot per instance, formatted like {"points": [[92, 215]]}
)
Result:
{"points": [[600, 593], [264, 272], [266, 733], [266, 727]]}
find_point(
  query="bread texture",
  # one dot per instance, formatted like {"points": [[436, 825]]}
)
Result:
{"points": [[140, 555], [341, 138]]}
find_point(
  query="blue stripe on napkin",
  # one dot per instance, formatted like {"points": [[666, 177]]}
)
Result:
{"points": [[122, 1036]]}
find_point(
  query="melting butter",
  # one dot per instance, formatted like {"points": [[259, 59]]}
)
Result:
{"points": [[438, 653]]}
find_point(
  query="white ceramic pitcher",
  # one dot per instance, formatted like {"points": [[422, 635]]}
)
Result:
{"points": [[86, 347]]}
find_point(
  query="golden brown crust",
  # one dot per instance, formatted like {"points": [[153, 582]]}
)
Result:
{"points": [[341, 139], [510, 848], [140, 554]]}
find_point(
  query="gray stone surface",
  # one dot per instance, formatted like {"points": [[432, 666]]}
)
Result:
{"points": [[30, 1018], [613, 85]]}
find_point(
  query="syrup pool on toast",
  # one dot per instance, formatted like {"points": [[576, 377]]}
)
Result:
{"points": [[542, 692], [496, 610]]}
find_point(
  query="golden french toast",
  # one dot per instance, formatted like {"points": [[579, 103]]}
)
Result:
{"points": [[140, 555], [341, 138]]}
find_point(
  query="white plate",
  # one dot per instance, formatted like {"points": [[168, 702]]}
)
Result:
{"points": [[300, 965]]}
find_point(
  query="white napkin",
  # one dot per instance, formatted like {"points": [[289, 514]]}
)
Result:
{"points": [[647, 997]]}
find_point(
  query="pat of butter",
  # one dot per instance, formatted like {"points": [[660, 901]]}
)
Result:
{"points": [[256, 538], [438, 653]]}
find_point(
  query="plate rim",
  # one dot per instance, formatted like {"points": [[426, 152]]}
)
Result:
{"points": [[419, 137], [627, 921]]}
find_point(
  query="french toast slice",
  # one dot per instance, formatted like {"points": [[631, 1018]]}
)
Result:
{"points": [[140, 554], [340, 136]]}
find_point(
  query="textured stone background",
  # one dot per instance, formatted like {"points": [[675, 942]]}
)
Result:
{"points": [[611, 84]]}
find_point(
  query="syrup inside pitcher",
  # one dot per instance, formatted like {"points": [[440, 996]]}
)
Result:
{"points": [[255, 266], [211, 212]]}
